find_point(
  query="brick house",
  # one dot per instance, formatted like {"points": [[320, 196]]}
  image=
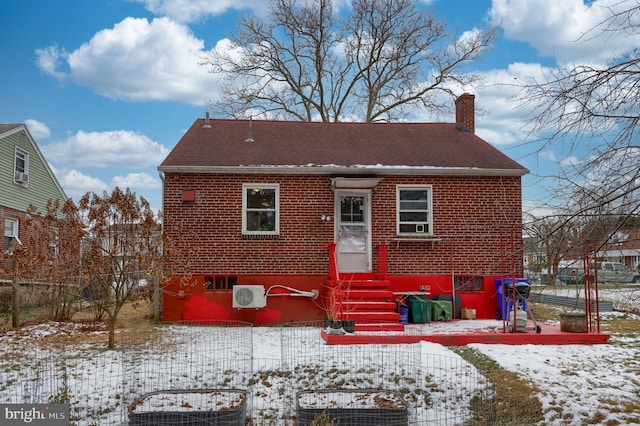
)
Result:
{"points": [[337, 219]]}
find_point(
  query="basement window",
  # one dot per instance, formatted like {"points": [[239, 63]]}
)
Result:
{"points": [[468, 283], [208, 283], [260, 209], [220, 282]]}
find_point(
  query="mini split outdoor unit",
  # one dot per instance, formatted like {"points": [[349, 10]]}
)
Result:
{"points": [[249, 296]]}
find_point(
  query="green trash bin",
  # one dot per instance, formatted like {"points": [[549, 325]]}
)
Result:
{"points": [[419, 309], [441, 310]]}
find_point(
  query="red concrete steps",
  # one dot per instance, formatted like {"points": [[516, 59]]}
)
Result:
{"points": [[370, 304]]}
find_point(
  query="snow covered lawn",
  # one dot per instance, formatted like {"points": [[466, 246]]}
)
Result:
{"points": [[53, 362]]}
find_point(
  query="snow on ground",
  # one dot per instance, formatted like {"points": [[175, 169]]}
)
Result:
{"points": [[577, 384]]}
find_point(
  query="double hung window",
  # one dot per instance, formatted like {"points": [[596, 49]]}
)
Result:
{"points": [[21, 166], [414, 210], [260, 209]]}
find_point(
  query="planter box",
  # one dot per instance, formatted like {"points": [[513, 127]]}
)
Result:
{"points": [[573, 322], [368, 407], [189, 408]]}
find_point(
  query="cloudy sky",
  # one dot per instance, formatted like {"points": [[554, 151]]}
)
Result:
{"points": [[108, 87]]}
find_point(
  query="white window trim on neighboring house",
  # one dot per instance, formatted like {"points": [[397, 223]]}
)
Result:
{"points": [[10, 231], [422, 228], [246, 210], [21, 166]]}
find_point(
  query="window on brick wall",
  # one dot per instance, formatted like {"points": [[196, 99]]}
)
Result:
{"points": [[219, 282], [10, 231], [208, 283], [414, 210], [260, 209], [467, 283]]}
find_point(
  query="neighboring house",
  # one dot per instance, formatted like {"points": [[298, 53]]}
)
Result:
{"points": [[623, 247], [25, 179], [353, 212]]}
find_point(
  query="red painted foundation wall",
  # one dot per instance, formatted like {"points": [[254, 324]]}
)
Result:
{"points": [[192, 303]]}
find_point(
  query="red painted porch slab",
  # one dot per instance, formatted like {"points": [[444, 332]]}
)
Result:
{"points": [[385, 326], [460, 336]]}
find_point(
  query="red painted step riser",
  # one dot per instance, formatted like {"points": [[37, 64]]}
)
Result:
{"points": [[385, 296], [371, 316], [349, 306]]}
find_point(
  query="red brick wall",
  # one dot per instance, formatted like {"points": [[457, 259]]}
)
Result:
{"points": [[477, 219]]}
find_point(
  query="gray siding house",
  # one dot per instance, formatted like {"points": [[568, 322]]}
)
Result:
{"points": [[25, 179]]}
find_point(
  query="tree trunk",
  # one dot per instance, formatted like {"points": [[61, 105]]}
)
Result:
{"points": [[156, 298], [112, 332], [15, 313]]}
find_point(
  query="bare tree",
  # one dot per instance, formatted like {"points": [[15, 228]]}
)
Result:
{"points": [[123, 247], [53, 250], [372, 62], [555, 238], [596, 107]]}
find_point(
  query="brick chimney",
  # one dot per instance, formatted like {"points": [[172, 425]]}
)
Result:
{"points": [[465, 113]]}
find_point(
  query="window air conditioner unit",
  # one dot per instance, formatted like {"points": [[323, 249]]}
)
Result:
{"points": [[21, 177], [249, 296]]}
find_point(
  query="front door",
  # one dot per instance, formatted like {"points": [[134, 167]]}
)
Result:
{"points": [[353, 236]]}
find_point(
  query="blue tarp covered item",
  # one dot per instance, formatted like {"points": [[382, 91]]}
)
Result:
{"points": [[506, 296]]}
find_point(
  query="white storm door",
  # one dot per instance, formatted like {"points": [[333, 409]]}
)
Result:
{"points": [[353, 236]]}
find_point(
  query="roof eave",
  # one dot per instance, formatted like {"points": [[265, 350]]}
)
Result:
{"points": [[331, 170]]}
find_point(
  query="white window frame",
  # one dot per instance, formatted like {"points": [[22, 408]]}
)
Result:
{"points": [[245, 210], [15, 225], [24, 156], [429, 222]]}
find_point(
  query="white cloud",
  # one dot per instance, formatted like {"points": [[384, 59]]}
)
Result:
{"points": [[118, 148], [76, 184], [195, 10], [136, 181], [571, 160], [49, 59], [548, 155], [138, 60], [37, 129], [564, 29]]}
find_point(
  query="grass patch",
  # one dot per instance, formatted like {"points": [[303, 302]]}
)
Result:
{"points": [[515, 403]]}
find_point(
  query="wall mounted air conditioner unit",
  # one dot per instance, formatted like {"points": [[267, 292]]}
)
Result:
{"points": [[249, 296], [21, 177]]}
